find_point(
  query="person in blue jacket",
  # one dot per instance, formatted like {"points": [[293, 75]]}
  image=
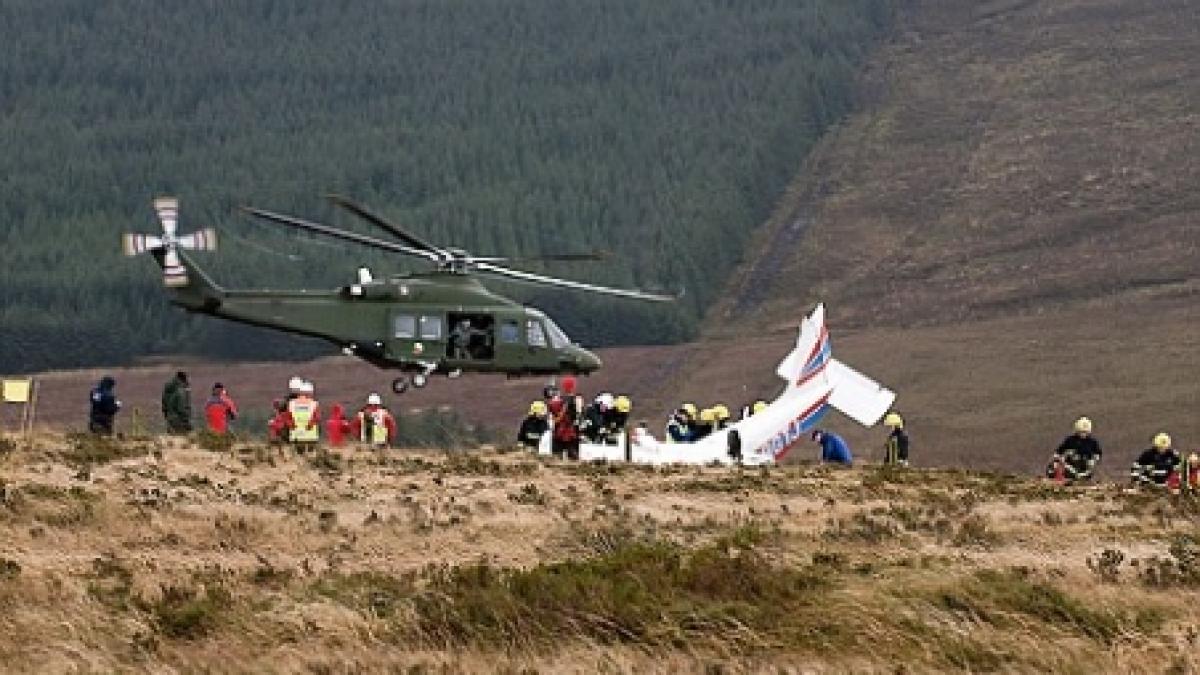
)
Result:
{"points": [[104, 407], [833, 448]]}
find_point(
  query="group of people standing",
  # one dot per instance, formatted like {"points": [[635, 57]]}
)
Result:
{"points": [[563, 413], [219, 408], [1160, 465], [296, 419]]}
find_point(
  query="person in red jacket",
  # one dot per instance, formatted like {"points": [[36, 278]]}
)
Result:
{"points": [[564, 412], [219, 410], [280, 422], [337, 426]]}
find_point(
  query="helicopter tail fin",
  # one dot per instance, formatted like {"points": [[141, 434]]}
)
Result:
{"points": [[197, 290]]}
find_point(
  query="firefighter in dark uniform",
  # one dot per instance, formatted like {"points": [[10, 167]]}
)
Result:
{"points": [[1078, 454], [534, 425], [1155, 465], [896, 448]]}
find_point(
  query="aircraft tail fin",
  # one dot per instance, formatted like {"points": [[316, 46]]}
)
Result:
{"points": [[858, 396], [197, 290], [807, 362]]}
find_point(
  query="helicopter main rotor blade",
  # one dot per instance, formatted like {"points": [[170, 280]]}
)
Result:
{"points": [[593, 256], [529, 277], [379, 221], [340, 234]]}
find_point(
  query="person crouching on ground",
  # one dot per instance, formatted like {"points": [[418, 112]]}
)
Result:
{"points": [[1078, 454], [1155, 465], [833, 448], [373, 424]]}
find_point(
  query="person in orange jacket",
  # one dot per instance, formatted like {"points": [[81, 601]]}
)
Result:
{"points": [[219, 410], [373, 424], [337, 426]]}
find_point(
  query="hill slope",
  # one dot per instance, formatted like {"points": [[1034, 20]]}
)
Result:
{"points": [[1006, 234], [1018, 156]]}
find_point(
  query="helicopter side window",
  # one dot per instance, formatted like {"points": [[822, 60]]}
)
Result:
{"points": [[510, 334], [558, 339], [534, 334], [431, 328], [404, 326]]}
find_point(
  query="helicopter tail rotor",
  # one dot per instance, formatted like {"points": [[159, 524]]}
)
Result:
{"points": [[169, 243]]}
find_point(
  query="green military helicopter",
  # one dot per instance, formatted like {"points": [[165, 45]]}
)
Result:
{"points": [[442, 321]]}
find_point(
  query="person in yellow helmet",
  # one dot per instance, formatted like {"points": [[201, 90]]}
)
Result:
{"points": [[706, 424], [534, 425], [721, 415], [1155, 465], [616, 419], [896, 447], [1077, 455]]}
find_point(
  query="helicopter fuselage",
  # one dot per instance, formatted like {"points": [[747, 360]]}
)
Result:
{"points": [[439, 321]]}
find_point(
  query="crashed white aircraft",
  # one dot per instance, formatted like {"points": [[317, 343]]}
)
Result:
{"points": [[815, 382]]}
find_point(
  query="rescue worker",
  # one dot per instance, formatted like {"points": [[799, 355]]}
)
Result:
{"points": [[104, 407], [721, 414], [295, 384], [704, 426], [1187, 476], [219, 410], [177, 404], [565, 410], [753, 409], [1078, 454], [592, 425], [374, 424], [617, 419], [462, 338], [534, 426], [833, 448], [337, 426], [896, 448], [280, 422], [304, 417], [679, 427], [1155, 465]]}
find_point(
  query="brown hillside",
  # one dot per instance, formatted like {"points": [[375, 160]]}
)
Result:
{"points": [[1013, 156]]}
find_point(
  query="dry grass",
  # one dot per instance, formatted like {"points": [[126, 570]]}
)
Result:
{"points": [[495, 561]]}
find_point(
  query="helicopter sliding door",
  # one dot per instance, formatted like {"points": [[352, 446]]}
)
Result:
{"points": [[472, 337]]}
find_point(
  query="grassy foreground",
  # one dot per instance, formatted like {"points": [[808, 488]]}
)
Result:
{"points": [[157, 554]]}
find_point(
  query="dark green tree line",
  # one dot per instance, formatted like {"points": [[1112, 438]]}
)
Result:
{"points": [[661, 130]]}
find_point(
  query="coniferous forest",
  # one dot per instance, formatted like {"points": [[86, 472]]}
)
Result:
{"points": [[663, 131]]}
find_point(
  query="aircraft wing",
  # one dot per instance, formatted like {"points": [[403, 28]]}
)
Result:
{"points": [[862, 399]]}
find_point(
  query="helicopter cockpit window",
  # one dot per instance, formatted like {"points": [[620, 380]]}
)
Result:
{"points": [[558, 339], [534, 334], [431, 328], [510, 334], [404, 326]]}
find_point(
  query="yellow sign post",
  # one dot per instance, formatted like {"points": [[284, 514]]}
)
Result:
{"points": [[22, 392]]}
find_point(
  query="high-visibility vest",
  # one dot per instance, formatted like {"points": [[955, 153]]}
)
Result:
{"points": [[373, 426], [302, 410]]}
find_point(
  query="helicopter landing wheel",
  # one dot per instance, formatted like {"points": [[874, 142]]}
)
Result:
{"points": [[420, 380], [400, 385]]}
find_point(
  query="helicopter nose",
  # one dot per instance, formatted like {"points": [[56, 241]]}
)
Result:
{"points": [[588, 361]]}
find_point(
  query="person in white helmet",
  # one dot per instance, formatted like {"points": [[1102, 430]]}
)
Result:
{"points": [[304, 426], [374, 424], [1077, 456]]}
